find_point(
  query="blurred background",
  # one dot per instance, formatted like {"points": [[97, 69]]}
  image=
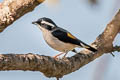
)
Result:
{"points": [[85, 19]]}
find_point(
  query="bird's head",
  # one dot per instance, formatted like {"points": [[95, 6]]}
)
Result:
{"points": [[45, 23]]}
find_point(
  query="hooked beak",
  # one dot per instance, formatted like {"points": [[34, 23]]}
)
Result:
{"points": [[34, 22]]}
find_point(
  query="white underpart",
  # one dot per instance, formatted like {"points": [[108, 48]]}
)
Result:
{"points": [[48, 23], [56, 43]]}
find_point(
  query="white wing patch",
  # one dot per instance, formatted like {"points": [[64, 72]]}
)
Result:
{"points": [[83, 45], [50, 24]]}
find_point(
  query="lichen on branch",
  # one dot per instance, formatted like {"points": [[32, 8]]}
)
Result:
{"points": [[11, 10]]}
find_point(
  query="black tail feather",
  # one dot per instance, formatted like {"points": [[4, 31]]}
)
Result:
{"points": [[91, 49], [88, 47]]}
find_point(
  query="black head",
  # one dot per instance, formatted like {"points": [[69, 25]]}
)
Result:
{"points": [[45, 23]]}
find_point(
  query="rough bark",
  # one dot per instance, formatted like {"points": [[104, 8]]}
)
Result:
{"points": [[49, 66], [11, 10]]}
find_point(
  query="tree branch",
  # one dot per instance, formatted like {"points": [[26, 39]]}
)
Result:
{"points": [[45, 64], [116, 48], [11, 10], [57, 68]]}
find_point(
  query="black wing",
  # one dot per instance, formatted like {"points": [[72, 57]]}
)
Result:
{"points": [[69, 38], [65, 37]]}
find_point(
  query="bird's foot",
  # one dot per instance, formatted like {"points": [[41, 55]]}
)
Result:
{"points": [[56, 56]]}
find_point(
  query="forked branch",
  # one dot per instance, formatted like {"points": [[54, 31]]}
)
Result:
{"points": [[45, 64]]}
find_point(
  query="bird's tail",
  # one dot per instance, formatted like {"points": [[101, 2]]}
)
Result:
{"points": [[88, 47]]}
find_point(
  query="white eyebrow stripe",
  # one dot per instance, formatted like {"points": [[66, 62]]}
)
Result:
{"points": [[48, 23]]}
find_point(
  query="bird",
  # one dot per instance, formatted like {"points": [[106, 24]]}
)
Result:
{"points": [[59, 38]]}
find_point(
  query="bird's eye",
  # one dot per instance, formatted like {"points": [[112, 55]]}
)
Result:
{"points": [[42, 24]]}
